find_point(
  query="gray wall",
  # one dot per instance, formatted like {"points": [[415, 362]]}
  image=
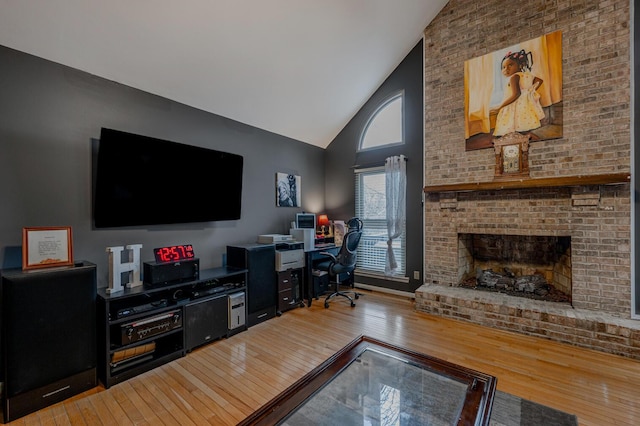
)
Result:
{"points": [[342, 156], [50, 114]]}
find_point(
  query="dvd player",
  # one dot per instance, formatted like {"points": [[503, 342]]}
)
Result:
{"points": [[141, 308]]}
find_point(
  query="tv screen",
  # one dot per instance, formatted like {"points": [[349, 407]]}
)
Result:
{"points": [[142, 180], [306, 220]]}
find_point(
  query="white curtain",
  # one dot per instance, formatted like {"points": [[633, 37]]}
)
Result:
{"points": [[395, 170]]}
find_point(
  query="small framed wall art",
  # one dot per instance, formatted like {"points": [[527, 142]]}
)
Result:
{"points": [[288, 192], [45, 247]]}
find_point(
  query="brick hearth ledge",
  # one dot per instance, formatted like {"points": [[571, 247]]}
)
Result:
{"points": [[551, 320]]}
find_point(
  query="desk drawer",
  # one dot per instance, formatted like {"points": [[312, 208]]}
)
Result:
{"points": [[284, 284], [286, 300], [289, 279]]}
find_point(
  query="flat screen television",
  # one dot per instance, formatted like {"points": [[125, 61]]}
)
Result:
{"points": [[140, 180]]}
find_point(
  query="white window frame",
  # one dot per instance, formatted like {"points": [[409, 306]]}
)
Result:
{"points": [[377, 114], [373, 244]]}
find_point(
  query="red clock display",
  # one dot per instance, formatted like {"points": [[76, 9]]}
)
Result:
{"points": [[174, 253]]}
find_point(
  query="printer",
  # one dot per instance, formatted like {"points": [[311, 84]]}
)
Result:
{"points": [[289, 255]]}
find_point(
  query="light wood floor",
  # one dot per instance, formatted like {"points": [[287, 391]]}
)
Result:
{"points": [[222, 382]]}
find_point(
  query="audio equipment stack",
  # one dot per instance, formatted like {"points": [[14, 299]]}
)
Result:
{"points": [[176, 310]]}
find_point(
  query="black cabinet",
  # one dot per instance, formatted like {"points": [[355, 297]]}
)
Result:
{"points": [[289, 289], [260, 262], [48, 336], [316, 282], [143, 327], [320, 282]]}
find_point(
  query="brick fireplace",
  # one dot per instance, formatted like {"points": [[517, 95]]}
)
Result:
{"points": [[562, 197], [594, 218]]}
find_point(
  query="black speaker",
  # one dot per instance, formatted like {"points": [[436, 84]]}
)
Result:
{"points": [[262, 288], [48, 336], [206, 321], [156, 274]]}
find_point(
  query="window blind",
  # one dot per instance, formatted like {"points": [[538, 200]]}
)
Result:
{"points": [[371, 209]]}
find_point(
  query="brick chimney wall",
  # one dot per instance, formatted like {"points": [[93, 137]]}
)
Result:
{"points": [[596, 140]]}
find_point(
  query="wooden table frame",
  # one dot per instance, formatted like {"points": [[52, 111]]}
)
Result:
{"points": [[477, 405]]}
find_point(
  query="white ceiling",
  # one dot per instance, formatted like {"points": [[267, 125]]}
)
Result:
{"points": [[298, 68]]}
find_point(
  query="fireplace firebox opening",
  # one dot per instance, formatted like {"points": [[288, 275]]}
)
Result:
{"points": [[531, 266]]}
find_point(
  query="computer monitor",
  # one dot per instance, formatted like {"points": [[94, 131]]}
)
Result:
{"points": [[305, 220]]}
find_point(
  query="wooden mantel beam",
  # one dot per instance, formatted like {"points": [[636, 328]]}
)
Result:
{"points": [[603, 179]]}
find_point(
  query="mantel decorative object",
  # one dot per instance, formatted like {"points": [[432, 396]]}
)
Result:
{"points": [[512, 156]]}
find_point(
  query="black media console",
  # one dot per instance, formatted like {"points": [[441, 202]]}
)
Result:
{"points": [[142, 328]]}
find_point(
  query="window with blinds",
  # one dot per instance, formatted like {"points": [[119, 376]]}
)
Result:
{"points": [[371, 209]]}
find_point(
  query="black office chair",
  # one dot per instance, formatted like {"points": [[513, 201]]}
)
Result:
{"points": [[344, 262]]}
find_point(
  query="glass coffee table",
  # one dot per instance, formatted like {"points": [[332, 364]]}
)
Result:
{"points": [[370, 382]]}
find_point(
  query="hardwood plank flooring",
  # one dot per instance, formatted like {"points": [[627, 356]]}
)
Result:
{"points": [[223, 382]]}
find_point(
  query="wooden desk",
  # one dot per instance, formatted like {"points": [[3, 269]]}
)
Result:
{"points": [[311, 258]]}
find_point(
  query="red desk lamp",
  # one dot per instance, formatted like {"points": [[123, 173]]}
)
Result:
{"points": [[323, 222]]}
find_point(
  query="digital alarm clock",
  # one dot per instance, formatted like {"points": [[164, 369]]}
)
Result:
{"points": [[174, 253]]}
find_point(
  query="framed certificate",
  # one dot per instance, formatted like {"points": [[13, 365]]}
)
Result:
{"points": [[45, 247]]}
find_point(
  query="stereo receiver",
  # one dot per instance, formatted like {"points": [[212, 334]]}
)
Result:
{"points": [[150, 326]]}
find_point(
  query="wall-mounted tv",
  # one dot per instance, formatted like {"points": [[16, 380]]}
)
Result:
{"points": [[140, 180]]}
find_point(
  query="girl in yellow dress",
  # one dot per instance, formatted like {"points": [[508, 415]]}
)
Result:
{"points": [[520, 111]]}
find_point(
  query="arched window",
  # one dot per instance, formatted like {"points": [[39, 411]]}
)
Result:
{"points": [[385, 126]]}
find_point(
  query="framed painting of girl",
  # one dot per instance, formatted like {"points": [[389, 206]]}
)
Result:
{"points": [[515, 89]]}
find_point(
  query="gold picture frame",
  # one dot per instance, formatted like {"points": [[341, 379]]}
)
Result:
{"points": [[46, 247]]}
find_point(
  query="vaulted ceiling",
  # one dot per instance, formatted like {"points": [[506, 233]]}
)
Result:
{"points": [[298, 68]]}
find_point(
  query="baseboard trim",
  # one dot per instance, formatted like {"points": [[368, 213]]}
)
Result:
{"points": [[385, 290]]}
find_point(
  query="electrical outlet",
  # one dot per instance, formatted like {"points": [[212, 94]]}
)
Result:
{"points": [[416, 275]]}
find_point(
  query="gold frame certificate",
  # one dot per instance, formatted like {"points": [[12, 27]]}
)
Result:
{"points": [[45, 247]]}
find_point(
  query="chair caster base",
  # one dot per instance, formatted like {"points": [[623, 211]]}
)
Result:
{"points": [[330, 297]]}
